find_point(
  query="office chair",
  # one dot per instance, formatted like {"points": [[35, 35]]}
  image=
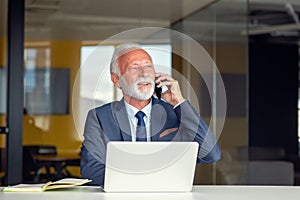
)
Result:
{"points": [[32, 169]]}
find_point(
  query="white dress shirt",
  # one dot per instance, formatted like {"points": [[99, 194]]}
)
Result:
{"points": [[131, 111]]}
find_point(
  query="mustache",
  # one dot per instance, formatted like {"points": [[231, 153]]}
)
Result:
{"points": [[144, 79]]}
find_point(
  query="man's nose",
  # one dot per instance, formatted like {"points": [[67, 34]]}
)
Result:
{"points": [[143, 71]]}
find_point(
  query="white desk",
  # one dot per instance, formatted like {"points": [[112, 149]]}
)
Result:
{"points": [[199, 193]]}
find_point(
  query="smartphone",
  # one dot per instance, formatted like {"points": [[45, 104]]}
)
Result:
{"points": [[158, 91]]}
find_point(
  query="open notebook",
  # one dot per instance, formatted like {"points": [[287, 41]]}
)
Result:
{"points": [[150, 166], [41, 187]]}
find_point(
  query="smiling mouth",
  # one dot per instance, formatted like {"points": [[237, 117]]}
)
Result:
{"points": [[144, 84]]}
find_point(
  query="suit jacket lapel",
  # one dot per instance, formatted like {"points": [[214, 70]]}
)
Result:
{"points": [[122, 119], [158, 119]]}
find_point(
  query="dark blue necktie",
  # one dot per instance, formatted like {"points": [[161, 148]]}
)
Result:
{"points": [[141, 127]]}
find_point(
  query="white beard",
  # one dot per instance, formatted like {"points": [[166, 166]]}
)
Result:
{"points": [[133, 91]]}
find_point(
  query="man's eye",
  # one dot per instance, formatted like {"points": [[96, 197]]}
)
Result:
{"points": [[135, 68]]}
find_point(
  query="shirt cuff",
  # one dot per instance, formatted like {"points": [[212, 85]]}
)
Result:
{"points": [[178, 104]]}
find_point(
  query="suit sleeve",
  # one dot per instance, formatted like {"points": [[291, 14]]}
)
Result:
{"points": [[92, 165], [193, 128]]}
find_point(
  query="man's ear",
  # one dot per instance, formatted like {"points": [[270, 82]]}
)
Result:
{"points": [[115, 79]]}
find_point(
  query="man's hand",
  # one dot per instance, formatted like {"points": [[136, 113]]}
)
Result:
{"points": [[173, 95]]}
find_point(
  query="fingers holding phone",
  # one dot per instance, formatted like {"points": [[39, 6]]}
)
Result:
{"points": [[173, 94]]}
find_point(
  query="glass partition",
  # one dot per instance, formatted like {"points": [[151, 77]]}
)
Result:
{"points": [[218, 29]]}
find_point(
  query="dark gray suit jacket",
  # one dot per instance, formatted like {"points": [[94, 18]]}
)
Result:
{"points": [[110, 123]]}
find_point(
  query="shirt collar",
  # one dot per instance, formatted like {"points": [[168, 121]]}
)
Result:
{"points": [[131, 111]]}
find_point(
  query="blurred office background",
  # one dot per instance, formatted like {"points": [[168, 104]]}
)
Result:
{"points": [[254, 44]]}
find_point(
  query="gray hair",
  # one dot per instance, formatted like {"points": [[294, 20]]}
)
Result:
{"points": [[120, 50]]}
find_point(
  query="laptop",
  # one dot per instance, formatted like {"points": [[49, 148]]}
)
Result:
{"points": [[150, 166]]}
